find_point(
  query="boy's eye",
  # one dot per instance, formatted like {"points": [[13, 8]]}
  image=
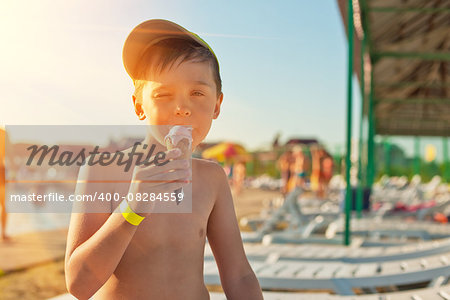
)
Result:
{"points": [[197, 93], [159, 95]]}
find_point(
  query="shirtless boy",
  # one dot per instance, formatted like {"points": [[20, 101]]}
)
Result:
{"points": [[177, 82]]}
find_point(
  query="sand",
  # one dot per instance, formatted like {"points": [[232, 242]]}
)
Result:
{"points": [[40, 282]]}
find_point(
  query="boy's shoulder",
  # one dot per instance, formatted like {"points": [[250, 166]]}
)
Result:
{"points": [[214, 180], [209, 171], [207, 167]]}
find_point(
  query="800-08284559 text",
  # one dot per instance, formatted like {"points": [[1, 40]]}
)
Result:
{"points": [[52, 197]]}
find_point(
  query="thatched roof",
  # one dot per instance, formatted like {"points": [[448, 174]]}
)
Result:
{"points": [[409, 50]]}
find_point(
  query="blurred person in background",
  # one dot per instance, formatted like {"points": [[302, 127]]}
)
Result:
{"points": [[326, 172], [298, 168], [322, 170], [284, 165], [3, 215], [228, 169], [238, 176], [4, 147]]}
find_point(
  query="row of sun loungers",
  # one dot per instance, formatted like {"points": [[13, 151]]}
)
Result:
{"points": [[342, 277], [305, 222], [437, 293], [330, 253], [291, 260], [421, 230], [372, 231]]}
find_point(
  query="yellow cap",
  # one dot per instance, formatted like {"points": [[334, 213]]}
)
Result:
{"points": [[148, 33]]}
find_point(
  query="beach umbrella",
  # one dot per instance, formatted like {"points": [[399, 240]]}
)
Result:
{"points": [[226, 151]]}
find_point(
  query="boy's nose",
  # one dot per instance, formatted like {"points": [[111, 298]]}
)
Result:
{"points": [[182, 111]]}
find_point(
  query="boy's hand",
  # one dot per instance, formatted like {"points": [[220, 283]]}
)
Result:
{"points": [[158, 179]]}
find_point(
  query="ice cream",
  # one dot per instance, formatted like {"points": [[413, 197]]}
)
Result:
{"points": [[180, 137]]}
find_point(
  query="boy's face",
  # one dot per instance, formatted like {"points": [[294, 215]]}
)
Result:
{"points": [[183, 94]]}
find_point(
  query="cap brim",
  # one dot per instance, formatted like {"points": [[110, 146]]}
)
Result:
{"points": [[148, 33]]}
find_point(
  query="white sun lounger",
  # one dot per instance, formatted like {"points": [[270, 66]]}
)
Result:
{"points": [[439, 293], [341, 253], [371, 229], [341, 277], [283, 296], [394, 228], [297, 237]]}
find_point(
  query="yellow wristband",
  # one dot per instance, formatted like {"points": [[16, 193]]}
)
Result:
{"points": [[129, 215]]}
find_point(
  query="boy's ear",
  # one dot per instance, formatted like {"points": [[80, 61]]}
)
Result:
{"points": [[217, 107], [138, 108]]}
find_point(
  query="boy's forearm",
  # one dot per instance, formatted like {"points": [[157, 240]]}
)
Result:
{"points": [[246, 288], [94, 261]]}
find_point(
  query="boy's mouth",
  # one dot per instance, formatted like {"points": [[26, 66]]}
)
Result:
{"points": [[187, 125]]}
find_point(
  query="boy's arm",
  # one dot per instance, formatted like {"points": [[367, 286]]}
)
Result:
{"points": [[95, 244], [237, 278]]}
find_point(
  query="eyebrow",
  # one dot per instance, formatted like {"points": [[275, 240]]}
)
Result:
{"points": [[196, 82], [200, 82]]}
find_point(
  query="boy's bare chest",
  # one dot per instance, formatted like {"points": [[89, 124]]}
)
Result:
{"points": [[176, 229]]}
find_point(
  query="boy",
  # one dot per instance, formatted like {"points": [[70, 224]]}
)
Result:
{"points": [[177, 82]]}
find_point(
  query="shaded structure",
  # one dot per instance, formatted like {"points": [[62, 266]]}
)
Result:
{"points": [[402, 61], [407, 63]]}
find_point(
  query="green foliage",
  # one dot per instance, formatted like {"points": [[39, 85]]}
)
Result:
{"points": [[427, 170]]}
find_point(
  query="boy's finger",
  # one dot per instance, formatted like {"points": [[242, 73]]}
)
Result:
{"points": [[173, 153], [175, 164], [164, 177], [169, 154]]}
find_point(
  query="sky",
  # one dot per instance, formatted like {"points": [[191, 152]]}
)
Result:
{"points": [[283, 65]]}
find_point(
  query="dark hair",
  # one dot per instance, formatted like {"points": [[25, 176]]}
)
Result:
{"points": [[164, 53]]}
